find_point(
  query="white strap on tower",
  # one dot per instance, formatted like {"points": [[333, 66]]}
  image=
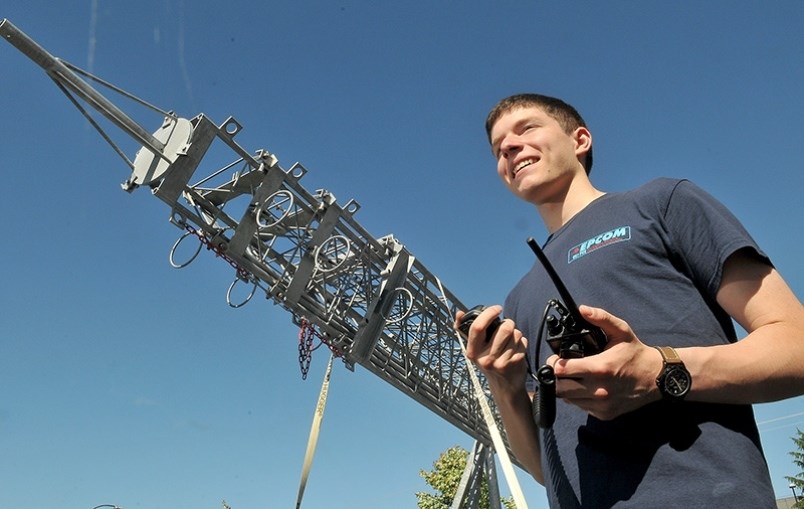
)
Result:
{"points": [[496, 437], [314, 430]]}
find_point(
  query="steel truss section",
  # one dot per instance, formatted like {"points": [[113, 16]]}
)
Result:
{"points": [[479, 466], [371, 300]]}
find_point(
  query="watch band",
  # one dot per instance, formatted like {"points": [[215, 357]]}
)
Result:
{"points": [[669, 354], [674, 380]]}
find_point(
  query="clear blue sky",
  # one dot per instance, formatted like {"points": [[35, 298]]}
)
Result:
{"points": [[125, 381]]}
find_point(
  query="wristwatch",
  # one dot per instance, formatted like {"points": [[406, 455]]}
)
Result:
{"points": [[674, 381]]}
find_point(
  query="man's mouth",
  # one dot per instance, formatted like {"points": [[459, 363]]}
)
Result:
{"points": [[523, 164]]}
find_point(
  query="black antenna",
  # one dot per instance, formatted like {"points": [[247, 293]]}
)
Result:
{"points": [[580, 337], [559, 284]]}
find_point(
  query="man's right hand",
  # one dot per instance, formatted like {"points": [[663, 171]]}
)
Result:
{"points": [[502, 359]]}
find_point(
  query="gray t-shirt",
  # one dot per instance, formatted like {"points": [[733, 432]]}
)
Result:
{"points": [[653, 257]]}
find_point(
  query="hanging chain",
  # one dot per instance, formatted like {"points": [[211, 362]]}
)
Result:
{"points": [[308, 331], [242, 273]]}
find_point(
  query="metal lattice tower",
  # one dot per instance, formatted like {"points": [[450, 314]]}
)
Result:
{"points": [[369, 299]]}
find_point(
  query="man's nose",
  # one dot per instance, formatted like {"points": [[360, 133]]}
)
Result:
{"points": [[510, 145]]}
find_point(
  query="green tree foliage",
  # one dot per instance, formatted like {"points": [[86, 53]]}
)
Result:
{"points": [[798, 460], [445, 478]]}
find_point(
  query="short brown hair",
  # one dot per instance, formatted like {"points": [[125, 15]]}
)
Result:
{"points": [[567, 117]]}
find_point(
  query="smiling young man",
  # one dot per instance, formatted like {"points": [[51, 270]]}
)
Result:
{"points": [[662, 417]]}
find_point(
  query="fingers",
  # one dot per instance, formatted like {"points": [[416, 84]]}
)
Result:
{"points": [[613, 382], [482, 320], [496, 346], [504, 338], [615, 328], [458, 315], [480, 331]]}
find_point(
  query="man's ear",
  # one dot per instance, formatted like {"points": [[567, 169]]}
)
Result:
{"points": [[583, 141]]}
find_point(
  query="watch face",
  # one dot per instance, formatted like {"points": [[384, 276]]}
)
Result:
{"points": [[677, 382]]}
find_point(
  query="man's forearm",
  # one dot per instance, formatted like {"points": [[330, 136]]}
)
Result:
{"points": [[522, 432], [765, 366]]}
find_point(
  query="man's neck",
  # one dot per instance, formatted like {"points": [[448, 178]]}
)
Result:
{"points": [[559, 210]]}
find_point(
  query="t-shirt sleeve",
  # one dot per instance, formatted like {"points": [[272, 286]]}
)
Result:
{"points": [[704, 234]]}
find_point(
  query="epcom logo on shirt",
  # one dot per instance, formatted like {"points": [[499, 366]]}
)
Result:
{"points": [[608, 238]]}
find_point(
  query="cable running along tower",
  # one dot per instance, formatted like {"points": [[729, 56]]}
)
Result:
{"points": [[368, 299]]}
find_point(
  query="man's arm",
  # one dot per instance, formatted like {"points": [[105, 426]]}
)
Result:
{"points": [[766, 365], [503, 362], [521, 430]]}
